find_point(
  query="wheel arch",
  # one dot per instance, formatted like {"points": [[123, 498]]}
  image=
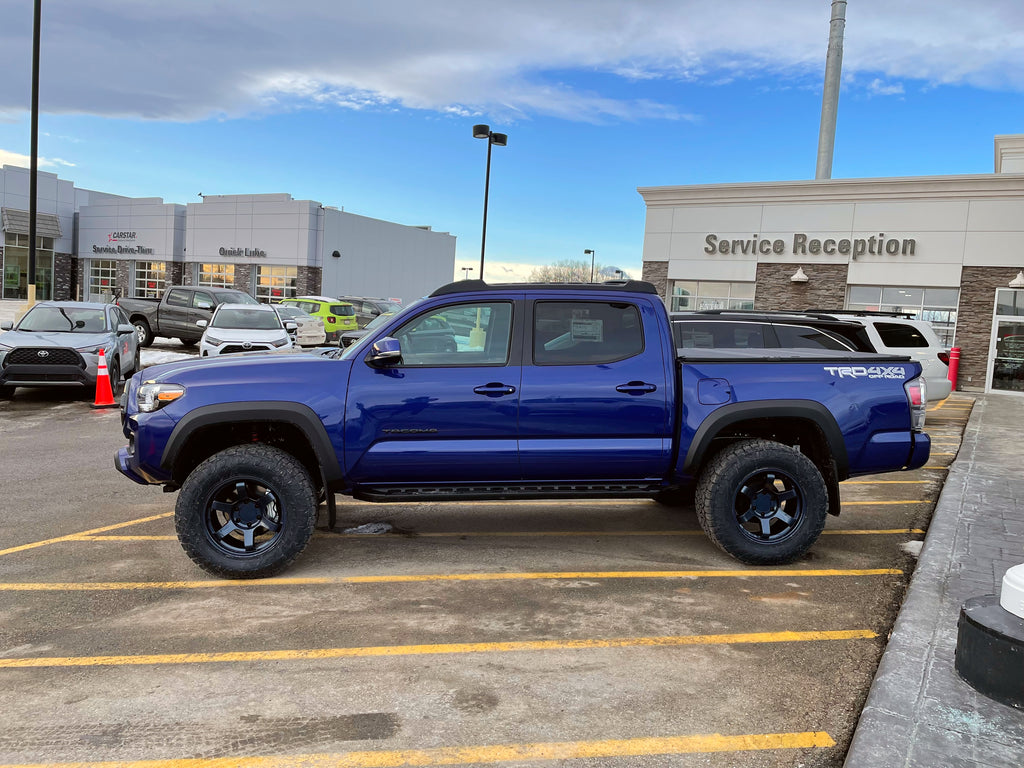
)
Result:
{"points": [[292, 426], [804, 422]]}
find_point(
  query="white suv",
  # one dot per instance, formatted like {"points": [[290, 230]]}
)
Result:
{"points": [[902, 334]]}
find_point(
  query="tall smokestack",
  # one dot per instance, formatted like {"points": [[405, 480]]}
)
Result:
{"points": [[830, 98]]}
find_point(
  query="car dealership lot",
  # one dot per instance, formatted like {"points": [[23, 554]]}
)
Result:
{"points": [[526, 633]]}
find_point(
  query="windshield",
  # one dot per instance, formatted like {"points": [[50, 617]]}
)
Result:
{"points": [[235, 297], [247, 319], [292, 313], [379, 320], [67, 319]]}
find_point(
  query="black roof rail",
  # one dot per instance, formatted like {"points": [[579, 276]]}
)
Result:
{"points": [[867, 313], [470, 286], [815, 313]]}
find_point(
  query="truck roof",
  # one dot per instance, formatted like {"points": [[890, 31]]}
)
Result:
{"points": [[474, 286]]}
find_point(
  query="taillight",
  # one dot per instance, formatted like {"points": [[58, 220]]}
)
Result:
{"points": [[944, 357], [330, 319], [917, 397]]}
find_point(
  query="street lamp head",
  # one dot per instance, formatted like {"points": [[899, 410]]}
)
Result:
{"points": [[481, 131], [587, 252], [499, 139]]}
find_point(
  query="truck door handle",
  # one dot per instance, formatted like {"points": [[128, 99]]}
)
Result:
{"points": [[494, 389], [636, 388]]}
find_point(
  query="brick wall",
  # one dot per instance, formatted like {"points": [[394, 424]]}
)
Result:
{"points": [[64, 273], [308, 281], [123, 280], [825, 287], [974, 321], [243, 277], [656, 272], [175, 275]]}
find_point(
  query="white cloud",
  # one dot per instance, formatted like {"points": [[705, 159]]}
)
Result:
{"points": [[879, 88], [25, 161], [192, 59]]}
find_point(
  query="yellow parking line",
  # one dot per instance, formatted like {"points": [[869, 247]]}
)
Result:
{"points": [[109, 586], [488, 754], [439, 649], [73, 536], [83, 537], [884, 482], [854, 531], [882, 503]]}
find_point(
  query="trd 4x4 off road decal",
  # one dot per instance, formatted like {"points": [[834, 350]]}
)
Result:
{"points": [[867, 372]]}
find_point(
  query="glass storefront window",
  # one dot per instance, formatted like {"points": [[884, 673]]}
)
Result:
{"points": [[150, 278], [102, 280], [217, 275], [275, 283], [937, 306], [689, 295], [15, 267]]}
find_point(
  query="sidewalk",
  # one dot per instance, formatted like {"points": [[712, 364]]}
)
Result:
{"points": [[919, 713]]}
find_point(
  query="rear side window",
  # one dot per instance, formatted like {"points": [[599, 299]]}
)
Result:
{"points": [[718, 335], [802, 337], [343, 310], [899, 335], [585, 332], [179, 298]]}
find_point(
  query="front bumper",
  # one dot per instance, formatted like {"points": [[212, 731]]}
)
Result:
{"points": [[63, 367]]}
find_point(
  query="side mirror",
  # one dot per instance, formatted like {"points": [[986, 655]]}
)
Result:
{"points": [[201, 323], [6, 325], [290, 326], [125, 328], [385, 352]]}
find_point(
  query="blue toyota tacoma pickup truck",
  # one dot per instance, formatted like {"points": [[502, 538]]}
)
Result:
{"points": [[551, 391]]}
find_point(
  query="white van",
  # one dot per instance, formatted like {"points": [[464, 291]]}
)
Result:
{"points": [[903, 334]]}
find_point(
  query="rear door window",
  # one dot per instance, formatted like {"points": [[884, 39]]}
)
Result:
{"points": [[803, 337], [900, 335], [585, 332], [719, 335]]}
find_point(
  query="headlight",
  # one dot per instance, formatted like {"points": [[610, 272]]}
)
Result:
{"points": [[92, 349], [152, 396], [213, 340], [281, 342]]}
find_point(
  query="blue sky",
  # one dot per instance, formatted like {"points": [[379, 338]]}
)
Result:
{"points": [[370, 106]]}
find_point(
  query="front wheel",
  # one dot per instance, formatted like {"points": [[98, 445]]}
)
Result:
{"points": [[143, 332], [762, 502], [246, 512]]}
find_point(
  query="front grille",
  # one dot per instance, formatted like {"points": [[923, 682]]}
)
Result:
{"points": [[239, 348], [44, 356]]}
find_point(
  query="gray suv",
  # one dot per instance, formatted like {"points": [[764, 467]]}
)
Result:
{"points": [[57, 343], [368, 308]]}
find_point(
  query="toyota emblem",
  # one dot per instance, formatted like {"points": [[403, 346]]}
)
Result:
{"points": [[246, 345], [43, 353]]}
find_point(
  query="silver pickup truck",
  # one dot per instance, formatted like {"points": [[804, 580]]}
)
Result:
{"points": [[174, 315], [57, 343]]}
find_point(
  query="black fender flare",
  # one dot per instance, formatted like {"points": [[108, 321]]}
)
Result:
{"points": [[301, 416], [734, 413]]}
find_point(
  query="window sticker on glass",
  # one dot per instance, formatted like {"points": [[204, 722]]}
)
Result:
{"points": [[587, 330]]}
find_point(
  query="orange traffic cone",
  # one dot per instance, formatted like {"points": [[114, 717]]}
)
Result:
{"points": [[104, 394]]}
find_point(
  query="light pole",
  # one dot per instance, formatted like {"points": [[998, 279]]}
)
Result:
{"points": [[592, 257], [501, 139]]}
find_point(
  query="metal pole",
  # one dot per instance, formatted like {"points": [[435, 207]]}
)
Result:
{"points": [[487, 184], [830, 97], [32, 184]]}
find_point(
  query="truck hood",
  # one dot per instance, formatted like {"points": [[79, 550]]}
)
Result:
{"points": [[252, 369], [55, 339]]}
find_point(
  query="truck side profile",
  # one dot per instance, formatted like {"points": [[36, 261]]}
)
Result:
{"points": [[177, 311], [552, 391]]}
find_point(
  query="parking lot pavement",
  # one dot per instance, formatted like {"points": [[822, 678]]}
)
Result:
{"points": [[526, 634], [919, 713]]}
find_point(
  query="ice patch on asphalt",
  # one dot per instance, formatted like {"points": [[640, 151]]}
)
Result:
{"points": [[370, 529], [912, 548], [155, 357]]}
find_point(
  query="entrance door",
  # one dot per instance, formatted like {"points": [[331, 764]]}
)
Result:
{"points": [[1008, 356]]}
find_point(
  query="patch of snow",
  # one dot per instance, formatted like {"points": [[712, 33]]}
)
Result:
{"points": [[912, 548]]}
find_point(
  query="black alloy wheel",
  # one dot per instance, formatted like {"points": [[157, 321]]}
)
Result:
{"points": [[243, 517], [763, 502]]}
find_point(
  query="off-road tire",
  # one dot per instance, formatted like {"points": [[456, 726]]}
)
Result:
{"points": [[218, 495], [143, 332], [747, 492]]}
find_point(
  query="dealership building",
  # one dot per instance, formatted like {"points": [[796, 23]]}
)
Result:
{"points": [[94, 245], [947, 249]]}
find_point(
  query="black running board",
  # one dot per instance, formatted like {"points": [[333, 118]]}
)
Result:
{"points": [[507, 492]]}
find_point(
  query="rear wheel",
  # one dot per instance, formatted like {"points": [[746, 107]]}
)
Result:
{"points": [[188, 342], [762, 502], [114, 372], [246, 512]]}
